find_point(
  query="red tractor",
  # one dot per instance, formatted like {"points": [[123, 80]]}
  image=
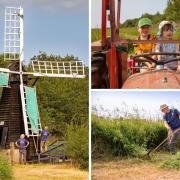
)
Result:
{"points": [[110, 64]]}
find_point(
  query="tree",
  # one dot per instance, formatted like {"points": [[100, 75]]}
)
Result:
{"points": [[172, 11]]}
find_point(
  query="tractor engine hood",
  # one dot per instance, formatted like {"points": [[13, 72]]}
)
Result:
{"points": [[157, 79]]}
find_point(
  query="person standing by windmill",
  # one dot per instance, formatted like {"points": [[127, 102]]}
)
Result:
{"points": [[22, 144], [44, 139]]}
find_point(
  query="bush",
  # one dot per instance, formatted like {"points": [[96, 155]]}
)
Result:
{"points": [[173, 162], [5, 169], [77, 146], [125, 137]]}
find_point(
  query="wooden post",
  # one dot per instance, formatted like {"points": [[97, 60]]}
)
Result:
{"points": [[39, 158], [12, 152]]}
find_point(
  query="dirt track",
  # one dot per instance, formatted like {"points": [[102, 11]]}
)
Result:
{"points": [[132, 171]]}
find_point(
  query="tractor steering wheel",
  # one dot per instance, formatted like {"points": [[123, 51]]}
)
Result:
{"points": [[146, 58]]}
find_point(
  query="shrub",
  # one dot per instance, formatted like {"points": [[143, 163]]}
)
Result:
{"points": [[5, 169], [77, 146], [125, 137]]}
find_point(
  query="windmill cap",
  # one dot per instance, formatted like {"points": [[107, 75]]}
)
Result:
{"points": [[163, 106], [144, 22], [163, 23]]}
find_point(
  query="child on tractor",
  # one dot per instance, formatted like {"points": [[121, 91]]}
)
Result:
{"points": [[144, 28], [166, 30]]}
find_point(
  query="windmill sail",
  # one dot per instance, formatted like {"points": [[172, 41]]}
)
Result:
{"points": [[14, 51], [31, 114], [69, 69], [32, 109], [4, 79], [12, 38]]}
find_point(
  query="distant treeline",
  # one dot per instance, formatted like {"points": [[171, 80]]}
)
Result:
{"points": [[171, 12]]}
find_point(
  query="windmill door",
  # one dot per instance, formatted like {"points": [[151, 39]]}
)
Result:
{"points": [[3, 136]]}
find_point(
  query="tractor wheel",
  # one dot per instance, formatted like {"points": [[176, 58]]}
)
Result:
{"points": [[99, 71]]}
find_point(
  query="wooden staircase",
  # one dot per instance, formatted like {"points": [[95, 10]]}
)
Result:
{"points": [[11, 112], [11, 115]]}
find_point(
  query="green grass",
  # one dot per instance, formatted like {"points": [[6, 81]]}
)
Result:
{"points": [[5, 168], [129, 33], [173, 162]]}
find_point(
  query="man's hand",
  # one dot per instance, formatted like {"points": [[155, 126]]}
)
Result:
{"points": [[170, 131], [150, 66], [27, 145], [16, 144], [167, 126]]}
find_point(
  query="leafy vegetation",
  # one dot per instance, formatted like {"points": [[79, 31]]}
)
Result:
{"points": [[5, 169], [173, 162], [127, 137], [77, 146], [156, 18], [172, 10]]}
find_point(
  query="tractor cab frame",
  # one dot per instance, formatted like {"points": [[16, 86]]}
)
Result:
{"points": [[109, 60]]}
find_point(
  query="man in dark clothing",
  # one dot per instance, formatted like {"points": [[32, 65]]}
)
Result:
{"points": [[44, 139], [22, 144], [172, 123]]}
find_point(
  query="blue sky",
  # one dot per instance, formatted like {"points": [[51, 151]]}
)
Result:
{"points": [[149, 101], [57, 27], [129, 9]]}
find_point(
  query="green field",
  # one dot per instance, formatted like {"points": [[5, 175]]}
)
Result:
{"points": [[129, 33]]}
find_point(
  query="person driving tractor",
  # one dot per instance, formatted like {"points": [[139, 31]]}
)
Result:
{"points": [[144, 28]]}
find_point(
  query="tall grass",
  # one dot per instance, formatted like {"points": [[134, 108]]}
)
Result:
{"points": [[127, 137], [5, 169]]}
